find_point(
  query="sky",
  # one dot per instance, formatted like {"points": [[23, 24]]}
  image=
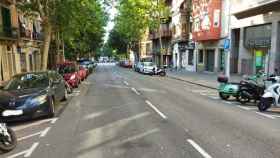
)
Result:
{"points": [[112, 13]]}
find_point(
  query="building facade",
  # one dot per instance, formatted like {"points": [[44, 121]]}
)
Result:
{"points": [[209, 32], [145, 51], [19, 48], [255, 31], [182, 44], [162, 56]]}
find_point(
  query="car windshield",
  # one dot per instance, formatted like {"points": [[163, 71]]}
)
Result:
{"points": [[148, 64], [28, 81]]}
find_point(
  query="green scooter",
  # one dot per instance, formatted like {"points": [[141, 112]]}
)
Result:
{"points": [[227, 89]]}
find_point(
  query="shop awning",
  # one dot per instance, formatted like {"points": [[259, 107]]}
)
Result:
{"points": [[272, 5]]}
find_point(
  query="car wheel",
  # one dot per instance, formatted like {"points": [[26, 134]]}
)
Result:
{"points": [[51, 108]]}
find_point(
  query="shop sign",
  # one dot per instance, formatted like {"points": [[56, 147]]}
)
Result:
{"points": [[259, 56]]}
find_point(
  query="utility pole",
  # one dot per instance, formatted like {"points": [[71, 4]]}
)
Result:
{"points": [[228, 54]]}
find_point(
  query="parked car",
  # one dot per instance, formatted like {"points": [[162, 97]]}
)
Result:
{"points": [[32, 95], [88, 65], [125, 64], [147, 68], [69, 71], [137, 66], [83, 73]]}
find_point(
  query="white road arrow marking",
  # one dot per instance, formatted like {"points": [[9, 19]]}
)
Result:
{"points": [[26, 153]]}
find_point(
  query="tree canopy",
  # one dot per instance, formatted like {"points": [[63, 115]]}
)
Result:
{"points": [[79, 23], [133, 19]]}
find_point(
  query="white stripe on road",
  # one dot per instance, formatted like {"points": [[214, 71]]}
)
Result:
{"points": [[135, 91], [44, 133], [156, 109], [247, 108], [266, 115], [41, 133], [199, 149], [18, 128], [31, 150], [126, 83], [26, 153], [136, 137]]}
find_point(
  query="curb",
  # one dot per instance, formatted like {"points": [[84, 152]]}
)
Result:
{"points": [[191, 82]]}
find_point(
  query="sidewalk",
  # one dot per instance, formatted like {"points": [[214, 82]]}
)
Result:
{"points": [[208, 80]]}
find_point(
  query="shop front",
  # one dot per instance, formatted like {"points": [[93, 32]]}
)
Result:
{"points": [[258, 43]]}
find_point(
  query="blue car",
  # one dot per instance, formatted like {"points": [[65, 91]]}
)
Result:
{"points": [[32, 95]]}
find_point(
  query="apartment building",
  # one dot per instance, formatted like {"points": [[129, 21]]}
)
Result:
{"points": [[20, 41]]}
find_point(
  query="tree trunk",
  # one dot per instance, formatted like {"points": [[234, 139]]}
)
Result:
{"points": [[46, 45]]}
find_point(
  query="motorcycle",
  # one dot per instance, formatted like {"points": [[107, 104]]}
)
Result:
{"points": [[251, 89], [271, 94], [8, 140], [227, 89], [159, 71]]}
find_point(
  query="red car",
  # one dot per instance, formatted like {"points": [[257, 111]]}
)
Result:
{"points": [[70, 73], [83, 73]]}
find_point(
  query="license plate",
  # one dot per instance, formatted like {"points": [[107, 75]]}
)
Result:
{"points": [[12, 113]]}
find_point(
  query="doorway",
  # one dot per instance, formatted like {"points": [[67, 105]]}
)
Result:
{"points": [[210, 60]]}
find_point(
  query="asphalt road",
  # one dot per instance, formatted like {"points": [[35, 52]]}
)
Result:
{"points": [[122, 114]]}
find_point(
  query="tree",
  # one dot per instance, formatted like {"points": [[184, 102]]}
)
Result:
{"points": [[135, 16], [77, 22]]}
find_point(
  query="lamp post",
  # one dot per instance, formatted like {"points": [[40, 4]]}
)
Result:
{"points": [[228, 54]]}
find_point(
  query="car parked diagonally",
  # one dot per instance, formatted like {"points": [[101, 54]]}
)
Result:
{"points": [[32, 95]]}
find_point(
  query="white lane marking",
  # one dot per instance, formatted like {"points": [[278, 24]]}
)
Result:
{"points": [[26, 153], [136, 137], [215, 98], [266, 115], [54, 120], [199, 149], [156, 109], [41, 133], [18, 128], [31, 150], [246, 108], [135, 91], [126, 83], [44, 133], [227, 102]]}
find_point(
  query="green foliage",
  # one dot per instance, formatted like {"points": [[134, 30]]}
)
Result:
{"points": [[134, 17], [79, 23]]}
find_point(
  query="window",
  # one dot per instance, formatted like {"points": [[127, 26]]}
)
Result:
{"points": [[200, 56], [23, 62]]}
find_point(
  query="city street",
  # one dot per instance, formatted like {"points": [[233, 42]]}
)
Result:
{"points": [[118, 113]]}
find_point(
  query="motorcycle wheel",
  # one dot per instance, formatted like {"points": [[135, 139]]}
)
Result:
{"points": [[243, 99], [264, 104], [162, 73], [223, 96], [8, 145]]}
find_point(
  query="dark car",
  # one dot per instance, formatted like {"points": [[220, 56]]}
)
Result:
{"points": [[31, 95]]}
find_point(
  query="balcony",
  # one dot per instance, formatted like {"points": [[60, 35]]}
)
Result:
{"points": [[165, 32], [37, 36], [24, 33], [8, 33]]}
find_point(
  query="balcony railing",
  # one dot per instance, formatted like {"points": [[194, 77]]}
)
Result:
{"points": [[8, 32], [37, 36], [165, 32], [24, 33]]}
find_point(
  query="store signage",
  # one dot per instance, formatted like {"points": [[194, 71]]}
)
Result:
{"points": [[227, 44], [258, 43], [259, 58]]}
